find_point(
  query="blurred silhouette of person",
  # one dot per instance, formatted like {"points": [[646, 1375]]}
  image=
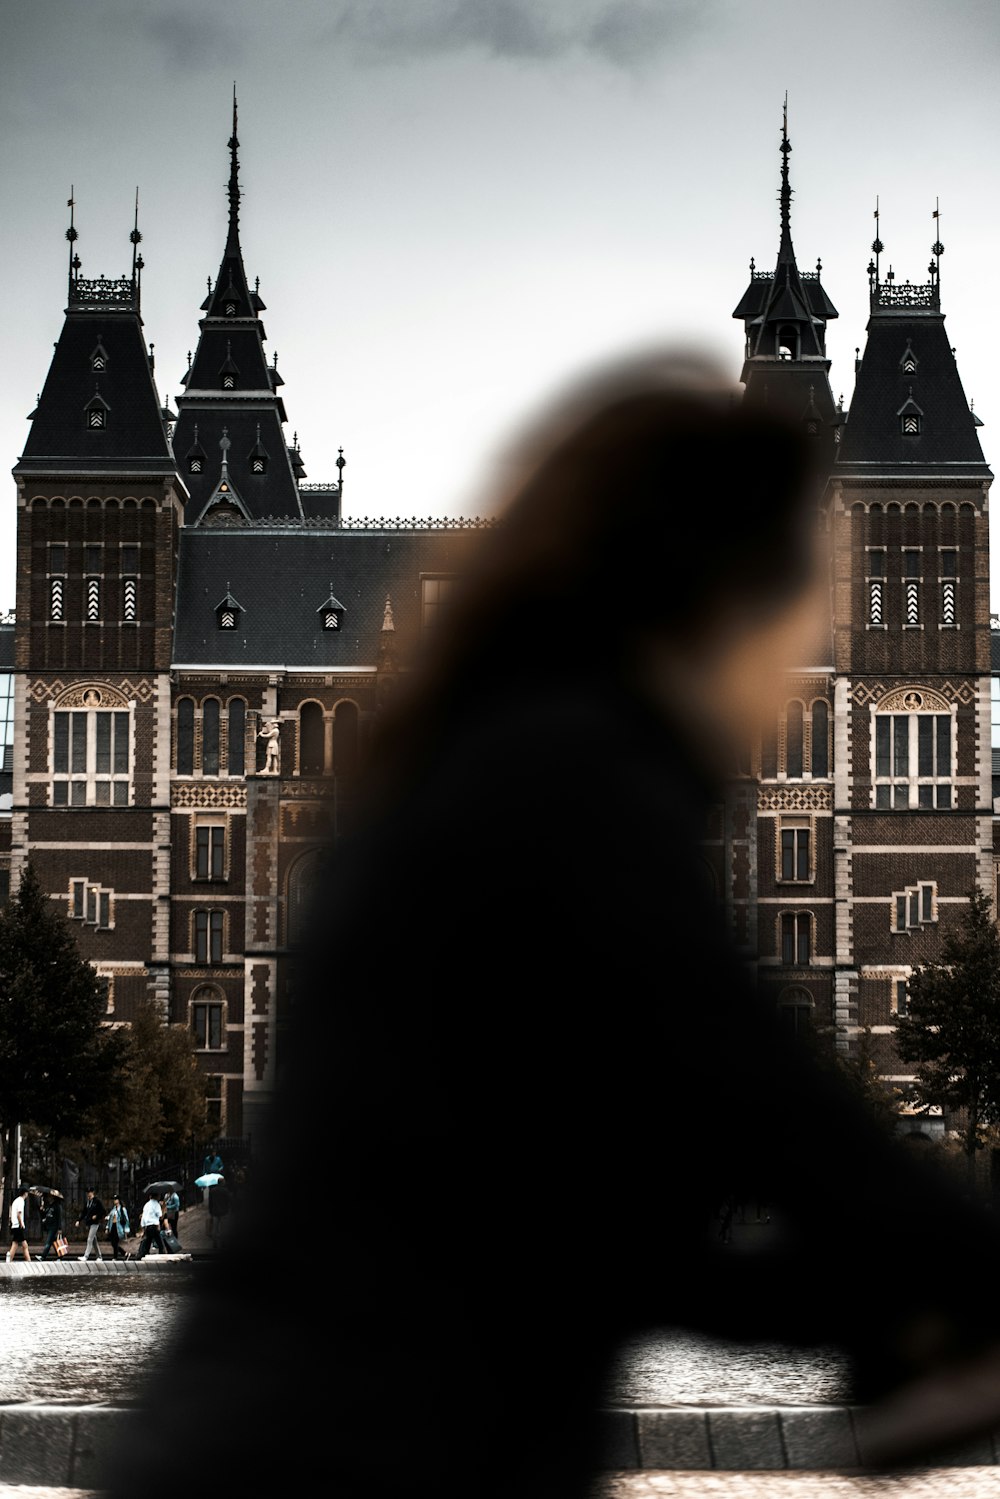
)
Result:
{"points": [[523, 1005]]}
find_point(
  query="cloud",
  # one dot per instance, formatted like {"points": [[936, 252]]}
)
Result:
{"points": [[194, 41], [624, 33]]}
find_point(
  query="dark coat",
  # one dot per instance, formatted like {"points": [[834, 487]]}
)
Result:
{"points": [[528, 1071]]}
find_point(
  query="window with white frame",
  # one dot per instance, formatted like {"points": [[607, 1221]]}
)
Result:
{"points": [[914, 758], [914, 907], [91, 757], [215, 1103], [208, 936], [208, 1020], [796, 937], [210, 850], [92, 904], [900, 997], [795, 850]]}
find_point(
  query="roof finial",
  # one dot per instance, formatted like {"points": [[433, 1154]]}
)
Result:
{"points": [[234, 184], [72, 234], [135, 237], [786, 191], [341, 465], [877, 248], [937, 248]]}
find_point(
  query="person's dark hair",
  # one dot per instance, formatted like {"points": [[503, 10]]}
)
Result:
{"points": [[648, 501]]}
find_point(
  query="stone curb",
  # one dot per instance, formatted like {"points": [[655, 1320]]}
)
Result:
{"points": [[745, 1438], [67, 1446], [27, 1269]]}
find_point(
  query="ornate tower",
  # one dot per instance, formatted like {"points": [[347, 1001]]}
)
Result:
{"points": [[785, 313], [913, 792], [100, 508]]}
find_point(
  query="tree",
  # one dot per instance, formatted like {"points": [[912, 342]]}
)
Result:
{"points": [[54, 1065], [158, 1100], [952, 1026]]}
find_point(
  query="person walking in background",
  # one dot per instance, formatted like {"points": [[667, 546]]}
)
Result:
{"points": [[92, 1217], [118, 1228], [52, 1222], [151, 1223], [219, 1203], [19, 1225], [550, 769], [171, 1210]]}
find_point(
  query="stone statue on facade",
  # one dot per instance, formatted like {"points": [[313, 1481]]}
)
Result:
{"points": [[271, 733]]}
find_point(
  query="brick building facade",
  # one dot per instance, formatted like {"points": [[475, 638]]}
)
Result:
{"points": [[202, 644]]}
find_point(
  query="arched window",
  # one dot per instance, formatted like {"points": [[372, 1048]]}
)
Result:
{"points": [[210, 737], [788, 342], [793, 740], [185, 737], [237, 736], [301, 884], [769, 755], [820, 739], [311, 739], [795, 1011], [345, 739]]}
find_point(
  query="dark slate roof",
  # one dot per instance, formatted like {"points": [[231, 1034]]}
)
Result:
{"points": [[872, 435], [282, 578], [135, 434], [272, 493]]}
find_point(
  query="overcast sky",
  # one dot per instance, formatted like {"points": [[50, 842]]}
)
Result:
{"points": [[454, 205]]}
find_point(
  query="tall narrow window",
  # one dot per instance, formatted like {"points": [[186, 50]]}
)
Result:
{"points": [[876, 588], [56, 598], [911, 588], [345, 740], [93, 597], [769, 755], [215, 1103], [185, 737], [208, 936], [210, 851], [793, 740], [236, 738], [795, 937], [949, 588], [796, 849], [311, 740], [820, 759], [207, 1012], [900, 997], [210, 737]]}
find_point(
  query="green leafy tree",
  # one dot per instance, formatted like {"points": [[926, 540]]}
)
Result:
{"points": [[158, 1097], [54, 1064], [952, 1028]]}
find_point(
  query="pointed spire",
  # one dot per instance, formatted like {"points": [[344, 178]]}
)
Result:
{"points": [[785, 196], [135, 237], [233, 241], [72, 234]]}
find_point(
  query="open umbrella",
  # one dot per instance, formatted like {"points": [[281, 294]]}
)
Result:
{"points": [[210, 1179], [162, 1187], [45, 1192]]}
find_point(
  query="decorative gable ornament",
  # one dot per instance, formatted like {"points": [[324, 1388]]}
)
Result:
{"points": [[96, 412], [910, 417]]}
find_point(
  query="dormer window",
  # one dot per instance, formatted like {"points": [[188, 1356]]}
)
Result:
{"points": [[230, 309], [331, 612], [195, 465], [788, 343], [96, 414], [910, 417], [195, 456], [228, 612], [908, 363], [229, 371], [257, 456], [98, 362]]}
